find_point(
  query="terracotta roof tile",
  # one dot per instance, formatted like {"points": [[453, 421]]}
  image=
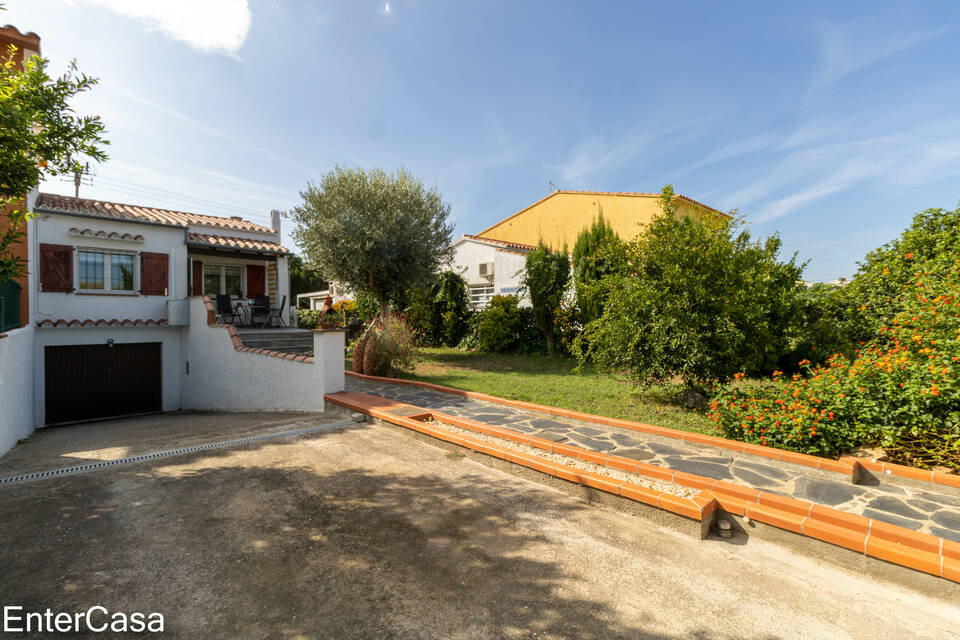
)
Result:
{"points": [[503, 243], [227, 242], [54, 203]]}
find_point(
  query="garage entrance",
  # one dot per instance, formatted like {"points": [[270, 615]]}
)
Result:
{"points": [[89, 381]]}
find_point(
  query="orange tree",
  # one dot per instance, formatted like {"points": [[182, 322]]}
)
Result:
{"points": [[899, 390]]}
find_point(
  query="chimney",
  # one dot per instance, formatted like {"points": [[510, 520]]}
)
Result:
{"points": [[275, 221]]}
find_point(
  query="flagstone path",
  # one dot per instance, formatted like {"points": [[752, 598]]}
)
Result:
{"points": [[925, 508]]}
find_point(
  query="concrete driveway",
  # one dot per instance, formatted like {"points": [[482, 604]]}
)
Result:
{"points": [[363, 532]]}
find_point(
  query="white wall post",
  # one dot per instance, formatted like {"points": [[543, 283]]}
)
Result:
{"points": [[328, 352]]}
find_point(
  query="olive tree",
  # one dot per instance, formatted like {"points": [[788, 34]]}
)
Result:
{"points": [[40, 136], [380, 233]]}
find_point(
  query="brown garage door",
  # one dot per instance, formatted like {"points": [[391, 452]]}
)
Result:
{"points": [[89, 381]]}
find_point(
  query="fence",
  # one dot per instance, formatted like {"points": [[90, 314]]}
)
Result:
{"points": [[9, 305]]}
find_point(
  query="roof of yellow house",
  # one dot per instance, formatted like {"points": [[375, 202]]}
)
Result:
{"points": [[635, 194]]}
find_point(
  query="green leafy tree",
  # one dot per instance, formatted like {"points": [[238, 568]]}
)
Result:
{"points": [[304, 278], [40, 136], [545, 277], [701, 300], [375, 231], [598, 253], [441, 311]]}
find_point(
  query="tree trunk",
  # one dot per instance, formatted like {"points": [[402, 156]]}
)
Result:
{"points": [[549, 336]]}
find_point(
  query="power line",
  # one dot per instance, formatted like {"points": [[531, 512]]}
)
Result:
{"points": [[221, 209], [182, 196]]}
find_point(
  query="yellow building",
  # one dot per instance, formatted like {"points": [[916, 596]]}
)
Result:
{"points": [[560, 217]]}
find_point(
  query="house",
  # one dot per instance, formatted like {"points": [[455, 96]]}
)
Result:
{"points": [[109, 289], [559, 218], [490, 267], [492, 260]]}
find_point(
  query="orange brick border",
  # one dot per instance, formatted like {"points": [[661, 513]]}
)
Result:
{"points": [[847, 466], [898, 545]]}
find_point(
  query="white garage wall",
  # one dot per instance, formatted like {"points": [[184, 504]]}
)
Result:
{"points": [[16, 387], [223, 378]]}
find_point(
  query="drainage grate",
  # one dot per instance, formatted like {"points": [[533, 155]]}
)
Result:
{"points": [[53, 473]]}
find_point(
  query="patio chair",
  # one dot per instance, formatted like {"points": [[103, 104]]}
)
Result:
{"points": [[226, 309], [276, 313], [259, 308]]}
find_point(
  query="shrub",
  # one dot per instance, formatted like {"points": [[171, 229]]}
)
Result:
{"points": [[899, 390], [545, 277], [389, 347], [308, 318], [439, 314], [701, 301], [499, 325], [568, 324]]}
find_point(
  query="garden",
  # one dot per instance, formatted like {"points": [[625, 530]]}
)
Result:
{"points": [[693, 324]]}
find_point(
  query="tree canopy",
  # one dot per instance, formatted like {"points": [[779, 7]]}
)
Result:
{"points": [[545, 278], [700, 299], [375, 231], [40, 136], [598, 253]]}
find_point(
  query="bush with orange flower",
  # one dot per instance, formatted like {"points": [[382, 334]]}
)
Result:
{"points": [[900, 390]]}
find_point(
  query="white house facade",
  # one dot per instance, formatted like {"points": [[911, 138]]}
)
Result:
{"points": [[112, 325], [490, 267]]}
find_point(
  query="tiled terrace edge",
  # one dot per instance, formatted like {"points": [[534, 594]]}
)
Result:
{"points": [[848, 466], [922, 552]]}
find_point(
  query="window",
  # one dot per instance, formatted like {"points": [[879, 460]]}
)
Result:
{"points": [[105, 271], [480, 295], [222, 278], [91, 270]]}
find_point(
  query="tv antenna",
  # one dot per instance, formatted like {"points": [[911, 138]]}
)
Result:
{"points": [[553, 187]]}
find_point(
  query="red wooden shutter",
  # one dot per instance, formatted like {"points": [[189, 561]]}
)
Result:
{"points": [[56, 267], [197, 286], [153, 274], [256, 280]]}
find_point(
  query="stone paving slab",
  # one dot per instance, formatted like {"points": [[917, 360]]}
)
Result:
{"points": [[926, 509]]}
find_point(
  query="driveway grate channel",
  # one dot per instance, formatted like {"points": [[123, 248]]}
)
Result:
{"points": [[53, 473]]}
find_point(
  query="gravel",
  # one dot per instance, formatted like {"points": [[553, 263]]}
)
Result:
{"points": [[616, 474]]}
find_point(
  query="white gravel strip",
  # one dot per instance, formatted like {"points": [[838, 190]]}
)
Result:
{"points": [[616, 474]]}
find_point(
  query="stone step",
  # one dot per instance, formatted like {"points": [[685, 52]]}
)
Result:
{"points": [[259, 342]]}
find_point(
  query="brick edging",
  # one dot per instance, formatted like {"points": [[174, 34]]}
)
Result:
{"points": [[238, 343], [847, 466], [920, 551]]}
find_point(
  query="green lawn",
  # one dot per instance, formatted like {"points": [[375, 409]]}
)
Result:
{"points": [[552, 381]]}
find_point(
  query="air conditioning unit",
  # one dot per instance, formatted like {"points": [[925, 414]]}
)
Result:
{"points": [[486, 269]]}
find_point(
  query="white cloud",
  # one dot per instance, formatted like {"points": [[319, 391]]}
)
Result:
{"points": [[386, 10], [212, 26], [848, 48]]}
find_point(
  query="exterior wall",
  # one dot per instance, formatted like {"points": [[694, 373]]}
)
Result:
{"points": [[16, 387], [224, 378], [52, 228], [170, 353], [229, 259], [559, 218], [507, 267]]}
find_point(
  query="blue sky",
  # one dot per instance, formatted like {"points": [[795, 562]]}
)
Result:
{"points": [[829, 123]]}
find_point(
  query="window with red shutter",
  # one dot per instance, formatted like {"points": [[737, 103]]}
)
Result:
{"points": [[154, 273], [56, 268]]}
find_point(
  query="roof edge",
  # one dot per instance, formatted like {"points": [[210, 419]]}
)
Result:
{"points": [[635, 194]]}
